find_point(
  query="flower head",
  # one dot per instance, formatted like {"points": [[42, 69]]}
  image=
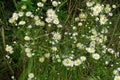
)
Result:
{"points": [[50, 12], [55, 3], [9, 49], [97, 9], [90, 49], [22, 23], [77, 62], [40, 4], [41, 59], [117, 78], [27, 38], [56, 36], [31, 75], [67, 62], [82, 58], [107, 9], [96, 56]]}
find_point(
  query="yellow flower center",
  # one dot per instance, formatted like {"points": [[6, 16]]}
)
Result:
{"points": [[103, 20], [50, 12], [9, 49], [77, 62], [96, 57], [97, 9], [117, 79], [49, 20], [67, 62], [56, 36]]}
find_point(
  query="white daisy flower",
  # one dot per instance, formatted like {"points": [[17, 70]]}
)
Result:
{"points": [[27, 38], [31, 75], [113, 6], [117, 78], [11, 20], [91, 50], [36, 18], [80, 24], [103, 20], [22, 23], [50, 12], [37, 23], [93, 37], [20, 14], [54, 3], [118, 68], [67, 62], [89, 4], [47, 55], [56, 21], [115, 72], [110, 14], [54, 49], [41, 59], [28, 13], [29, 26], [9, 49], [97, 8], [27, 50], [77, 19], [95, 13], [92, 44], [15, 16], [107, 9], [48, 20], [24, 7], [96, 56], [77, 62], [56, 36], [54, 17], [82, 58], [79, 45], [40, 4], [29, 54]]}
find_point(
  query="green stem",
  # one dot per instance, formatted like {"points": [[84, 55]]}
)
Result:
{"points": [[14, 1]]}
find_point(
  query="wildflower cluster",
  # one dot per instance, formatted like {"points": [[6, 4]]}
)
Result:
{"points": [[45, 39]]}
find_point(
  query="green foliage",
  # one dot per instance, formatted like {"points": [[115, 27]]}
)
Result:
{"points": [[33, 47]]}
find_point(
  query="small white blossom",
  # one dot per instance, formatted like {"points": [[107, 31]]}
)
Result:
{"points": [[68, 62], [27, 38], [77, 62], [41, 59], [9, 49], [54, 3], [31, 75], [117, 78], [28, 13], [56, 36], [91, 50], [40, 4], [114, 6], [50, 12], [24, 7], [22, 23], [82, 58], [96, 56]]}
